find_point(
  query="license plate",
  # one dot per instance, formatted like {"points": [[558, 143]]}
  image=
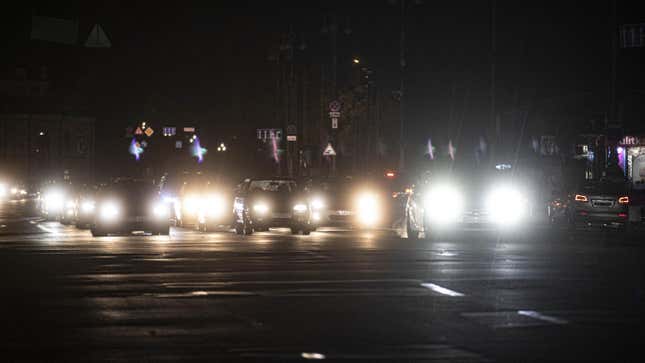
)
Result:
{"points": [[137, 219], [343, 212]]}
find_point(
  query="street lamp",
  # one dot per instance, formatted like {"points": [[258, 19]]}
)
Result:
{"points": [[221, 147]]}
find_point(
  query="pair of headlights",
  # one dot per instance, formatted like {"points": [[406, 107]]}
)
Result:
{"points": [[111, 210], [212, 205], [445, 204]]}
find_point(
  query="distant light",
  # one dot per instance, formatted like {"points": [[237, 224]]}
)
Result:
{"points": [[42, 133], [135, 149], [306, 355], [198, 150], [390, 174], [503, 166], [356, 60]]}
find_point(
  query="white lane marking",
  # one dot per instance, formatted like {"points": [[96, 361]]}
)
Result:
{"points": [[535, 315], [441, 290], [48, 230]]}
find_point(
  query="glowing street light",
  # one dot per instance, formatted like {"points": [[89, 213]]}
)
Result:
{"points": [[356, 60], [221, 147]]}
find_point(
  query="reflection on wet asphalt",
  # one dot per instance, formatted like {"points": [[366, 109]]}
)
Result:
{"points": [[334, 295]]}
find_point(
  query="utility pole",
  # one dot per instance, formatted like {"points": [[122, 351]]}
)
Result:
{"points": [[493, 50], [401, 90]]}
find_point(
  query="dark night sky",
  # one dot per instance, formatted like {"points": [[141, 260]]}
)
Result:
{"points": [[209, 61]]}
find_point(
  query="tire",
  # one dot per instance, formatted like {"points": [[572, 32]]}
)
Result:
{"points": [[295, 230], [306, 231]]}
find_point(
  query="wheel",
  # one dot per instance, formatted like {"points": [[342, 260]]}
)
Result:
{"points": [[295, 230], [306, 231], [239, 228], [412, 234]]}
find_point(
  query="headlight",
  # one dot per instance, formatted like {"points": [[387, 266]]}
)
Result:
{"points": [[54, 201], [3, 190], [317, 203], [367, 209], [109, 211], [23, 192], [14, 191], [506, 205], [300, 208], [191, 204], [443, 204], [70, 204], [160, 210], [260, 208], [87, 206], [215, 206]]}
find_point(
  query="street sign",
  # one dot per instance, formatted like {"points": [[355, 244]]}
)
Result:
{"points": [[292, 137], [291, 129], [334, 106], [189, 129], [178, 144], [97, 38], [329, 151], [138, 131], [334, 114], [169, 131], [149, 131], [269, 134], [334, 123]]}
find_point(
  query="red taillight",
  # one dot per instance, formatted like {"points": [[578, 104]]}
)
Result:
{"points": [[390, 174], [583, 213], [622, 215], [581, 198], [623, 200]]}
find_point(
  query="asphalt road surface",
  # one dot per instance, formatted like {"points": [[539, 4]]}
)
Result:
{"points": [[334, 295]]}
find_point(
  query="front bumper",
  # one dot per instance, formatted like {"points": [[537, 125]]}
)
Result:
{"points": [[279, 219], [131, 224]]}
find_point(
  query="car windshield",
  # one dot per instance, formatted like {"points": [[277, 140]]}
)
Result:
{"points": [[272, 186]]}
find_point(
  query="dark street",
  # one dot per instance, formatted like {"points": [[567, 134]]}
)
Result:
{"points": [[337, 294]]}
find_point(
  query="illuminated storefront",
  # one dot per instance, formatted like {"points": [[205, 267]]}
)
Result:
{"points": [[631, 158]]}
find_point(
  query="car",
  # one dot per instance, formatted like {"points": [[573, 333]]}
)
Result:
{"points": [[56, 201], [130, 205], [469, 198], [216, 204], [603, 203], [346, 202], [202, 204], [84, 206], [264, 203]]}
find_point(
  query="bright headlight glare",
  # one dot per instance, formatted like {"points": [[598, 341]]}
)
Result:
{"points": [[367, 209], [14, 190], [87, 206], [443, 204], [70, 204], [260, 208], [54, 201], [160, 210], [109, 210], [506, 205], [317, 203], [215, 205], [191, 204], [300, 208]]}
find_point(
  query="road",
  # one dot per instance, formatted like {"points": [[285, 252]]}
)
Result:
{"points": [[335, 295]]}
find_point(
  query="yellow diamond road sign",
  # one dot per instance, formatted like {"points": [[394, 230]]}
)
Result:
{"points": [[149, 131]]}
